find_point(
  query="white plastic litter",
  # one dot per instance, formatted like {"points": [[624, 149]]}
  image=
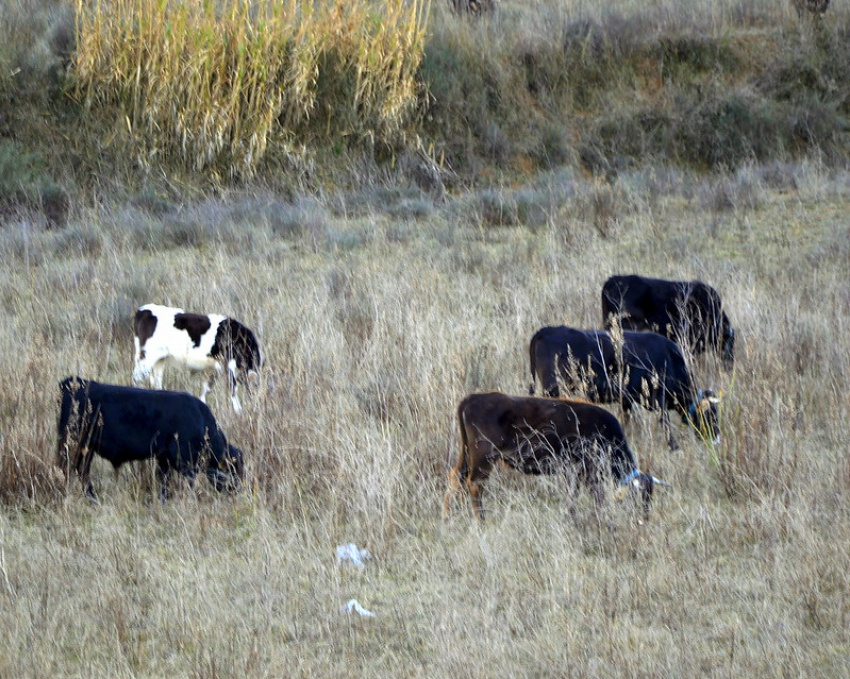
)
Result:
{"points": [[350, 552], [353, 606]]}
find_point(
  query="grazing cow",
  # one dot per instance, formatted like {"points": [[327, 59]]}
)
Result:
{"points": [[644, 368], [688, 312], [543, 436], [208, 343], [122, 424]]}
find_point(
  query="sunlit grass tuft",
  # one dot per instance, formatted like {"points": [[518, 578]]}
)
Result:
{"points": [[210, 85]]}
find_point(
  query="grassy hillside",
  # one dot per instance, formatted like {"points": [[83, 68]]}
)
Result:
{"points": [[551, 145], [99, 97]]}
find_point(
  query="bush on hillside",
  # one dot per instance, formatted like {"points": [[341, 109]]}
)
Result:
{"points": [[208, 87]]}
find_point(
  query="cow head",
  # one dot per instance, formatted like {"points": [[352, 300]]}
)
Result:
{"points": [[640, 484], [226, 473], [702, 415]]}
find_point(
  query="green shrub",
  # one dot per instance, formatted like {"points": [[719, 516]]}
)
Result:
{"points": [[497, 208], [730, 128], [20, 174]]}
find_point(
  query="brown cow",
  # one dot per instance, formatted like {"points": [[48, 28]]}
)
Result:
{"points": [[543, 436]]}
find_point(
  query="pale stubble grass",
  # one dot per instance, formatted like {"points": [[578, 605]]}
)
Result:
{"points": [[370, 343]]}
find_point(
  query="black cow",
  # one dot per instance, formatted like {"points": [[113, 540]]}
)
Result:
{"points": [[645, 369], [688, 312], [122, 424], [543, 436]]}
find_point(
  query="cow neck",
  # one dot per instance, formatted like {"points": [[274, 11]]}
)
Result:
{"points": [[692, 409], [628, 478]]}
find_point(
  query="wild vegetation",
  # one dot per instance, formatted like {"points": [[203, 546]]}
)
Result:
{"points": [[387, 277], [105, 97]]}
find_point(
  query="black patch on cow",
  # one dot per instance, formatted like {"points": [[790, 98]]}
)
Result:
{"points": [[195, 325], [144, 325], [234, 340]]}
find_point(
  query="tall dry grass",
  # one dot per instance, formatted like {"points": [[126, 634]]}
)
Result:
{"points": [[375, 323], [209, 85]]}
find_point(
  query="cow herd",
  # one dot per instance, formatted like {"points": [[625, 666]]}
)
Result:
{"points": [[638, 360], [552, 435]]}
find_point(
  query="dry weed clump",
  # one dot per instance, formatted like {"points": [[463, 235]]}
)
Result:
{"points": [[209, 86]]}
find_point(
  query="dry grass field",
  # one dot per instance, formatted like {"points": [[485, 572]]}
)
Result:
{"points": [[378, 312]]}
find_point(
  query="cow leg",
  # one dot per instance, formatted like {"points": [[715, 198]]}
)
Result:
{"points": [[207, 388], [84, 459], [475, 488], [668, 430], [148, 368], [141, 370], [156, 373], [549, 380], [475, 485], [231, 379], [208, 385], [63, 456], [453, 486], [163, 475]]}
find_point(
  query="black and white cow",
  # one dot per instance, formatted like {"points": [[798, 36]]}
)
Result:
{"points": [[207, 343], [644, 368], [123, 424], [688, 312]]}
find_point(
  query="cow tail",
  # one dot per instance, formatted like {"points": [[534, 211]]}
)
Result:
{"points": [[462, 466], [458, 473], [532, 364]]}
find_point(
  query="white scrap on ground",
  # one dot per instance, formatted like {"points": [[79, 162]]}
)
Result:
{"points": [[353, 606], [350, 552]]}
